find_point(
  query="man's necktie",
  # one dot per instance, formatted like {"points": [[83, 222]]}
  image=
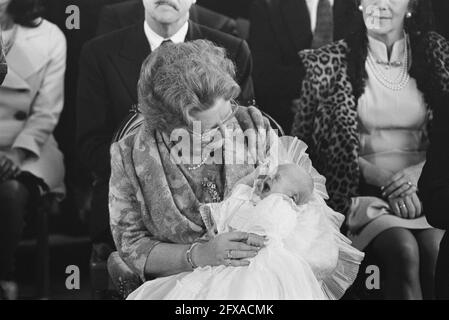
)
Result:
{"points": [[168, 41], [324, 31]]}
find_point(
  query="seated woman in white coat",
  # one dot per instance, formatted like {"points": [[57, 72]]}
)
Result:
{"points": [[31, 100]]}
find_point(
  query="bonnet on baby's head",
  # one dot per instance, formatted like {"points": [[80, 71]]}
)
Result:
{"points": [[289, 150]]}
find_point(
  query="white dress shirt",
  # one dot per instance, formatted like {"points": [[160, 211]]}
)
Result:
{"points": [[313, 10], [155, 40]]}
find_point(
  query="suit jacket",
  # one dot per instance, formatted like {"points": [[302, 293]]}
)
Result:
{"points": [[32, 98], [441, 12], [231, 8], [117, 16], [279, 30], [434, 192], [107, 89], [434, 182]]}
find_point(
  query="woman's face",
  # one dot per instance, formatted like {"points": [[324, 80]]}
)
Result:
{"points": [[214, 116], [383, 17], [3, 8]]}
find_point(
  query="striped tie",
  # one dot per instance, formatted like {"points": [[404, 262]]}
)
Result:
{"points": [[324, 31]]}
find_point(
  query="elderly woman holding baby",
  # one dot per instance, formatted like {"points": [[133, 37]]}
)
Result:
{"points": [[154, 200]]}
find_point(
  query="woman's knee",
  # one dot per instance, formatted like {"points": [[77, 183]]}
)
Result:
{"points": [[407, 255], [13, 201], [13, 193], [399, 251], [429, 245]]}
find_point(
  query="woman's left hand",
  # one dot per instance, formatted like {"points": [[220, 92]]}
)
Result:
{"points": [[8, 167], [10, 163], [408, 207], [401, 184]]}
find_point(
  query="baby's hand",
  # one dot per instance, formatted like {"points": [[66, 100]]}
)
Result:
{"points": [[254, 240]]}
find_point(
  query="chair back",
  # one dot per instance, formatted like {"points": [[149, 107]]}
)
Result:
{"points": [[129, 125]]}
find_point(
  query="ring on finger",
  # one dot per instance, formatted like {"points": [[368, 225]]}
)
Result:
{"points": [[411, 185], [228, 262]]}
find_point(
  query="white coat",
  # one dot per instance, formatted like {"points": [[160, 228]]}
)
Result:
{"points": [[32, 98]]}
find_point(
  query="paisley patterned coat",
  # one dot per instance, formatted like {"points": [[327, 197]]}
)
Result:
{"points": [[326, 114], [150, 199]]}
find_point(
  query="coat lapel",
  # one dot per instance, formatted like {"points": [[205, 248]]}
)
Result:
{"points": [[129, 60], [24, 59], [296, 15], [194, 32], [193, 13]]}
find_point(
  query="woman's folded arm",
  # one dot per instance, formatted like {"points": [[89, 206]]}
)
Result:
{"points": [[145, 255]]}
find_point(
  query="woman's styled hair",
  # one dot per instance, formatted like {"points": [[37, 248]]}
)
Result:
{"points": [[178, 79], [417, 27], [26, 12]]}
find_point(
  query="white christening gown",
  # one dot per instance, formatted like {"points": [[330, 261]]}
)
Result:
{"points": [[306, 256]]}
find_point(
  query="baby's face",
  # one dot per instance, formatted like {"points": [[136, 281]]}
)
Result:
{"points": [[294, 182]]}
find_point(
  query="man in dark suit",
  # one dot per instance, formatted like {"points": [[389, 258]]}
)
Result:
{"points": [[434, 190], [107, 90], [441, 11], [231, 8], [279, 30], [118, 16]]}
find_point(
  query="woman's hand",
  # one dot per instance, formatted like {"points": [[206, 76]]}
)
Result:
{"points": [[9, 166], [257, 130], [407, 207], [10, 163], [230, 249], [401, 184]]}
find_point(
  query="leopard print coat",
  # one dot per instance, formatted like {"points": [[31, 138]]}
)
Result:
{"points": [[326, 114]]}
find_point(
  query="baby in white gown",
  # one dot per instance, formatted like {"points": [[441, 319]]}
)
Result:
{"points": [[306, 257]]}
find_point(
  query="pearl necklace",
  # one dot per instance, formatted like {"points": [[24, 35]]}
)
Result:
{"points": [[401, 81], [197, 166]]}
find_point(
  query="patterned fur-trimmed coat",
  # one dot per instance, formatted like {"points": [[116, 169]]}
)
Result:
{"points": [[326, 114]]}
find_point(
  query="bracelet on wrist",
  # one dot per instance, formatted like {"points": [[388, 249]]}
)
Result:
{"points": [[189, 255]]}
